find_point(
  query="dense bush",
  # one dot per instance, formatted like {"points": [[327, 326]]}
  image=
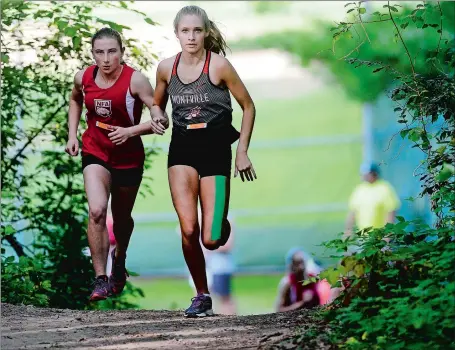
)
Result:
{"points": [[398, 295], [43, 45]]}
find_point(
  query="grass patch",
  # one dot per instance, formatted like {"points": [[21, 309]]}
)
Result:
{"points": [[254, 294]]}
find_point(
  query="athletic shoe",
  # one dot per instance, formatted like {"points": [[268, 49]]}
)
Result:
{"points": [[201, 306], [101, 290], [117, 279]]}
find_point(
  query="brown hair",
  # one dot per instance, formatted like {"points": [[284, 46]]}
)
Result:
{"points": [[214, 41], [107, 32]]}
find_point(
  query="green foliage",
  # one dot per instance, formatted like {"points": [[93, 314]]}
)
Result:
{"points": [[425, 102], [21, 282], [371, 38], [398, 289], [43, 45], [397, 296]]}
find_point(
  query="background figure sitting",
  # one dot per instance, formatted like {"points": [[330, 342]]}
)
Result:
{"points": [[292, 294]]}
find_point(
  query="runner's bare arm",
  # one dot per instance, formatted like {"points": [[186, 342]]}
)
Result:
{"points": [[159, 122], [141, 88], [75, 108], [161, 97], [228, 74], [235, 85], [74, 114]]}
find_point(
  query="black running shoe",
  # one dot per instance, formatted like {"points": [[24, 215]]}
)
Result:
{"points": [[101, 290], [201, 306], [117, 279]]}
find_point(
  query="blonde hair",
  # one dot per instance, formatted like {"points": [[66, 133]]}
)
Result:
{"points": [[214, 41]]}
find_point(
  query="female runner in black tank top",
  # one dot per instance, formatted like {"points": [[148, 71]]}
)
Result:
{"points": [[198, 81]]}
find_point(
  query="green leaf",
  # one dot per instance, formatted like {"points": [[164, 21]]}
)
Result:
{"points": [[132, 273], [309, 281], [381, 340], [351, 341], [362, 10], [378, 69], [441, 149], [359, 270], [447, 171], [5, 58], [348, 35], [46, 285], [349, 263], [123, 4], [370, 252], [62, 24], [418, 323], [150, 21], [394, 9], [8, 230], [118, 27], [9, 259], [76, 41], [414, 135], [70, 31], [419, 21], [404, 132], [332, 275], [404, 25]]}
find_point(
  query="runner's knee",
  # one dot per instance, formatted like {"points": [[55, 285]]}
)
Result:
{"points": [[190, 233], [97, 214], [210, 244]]}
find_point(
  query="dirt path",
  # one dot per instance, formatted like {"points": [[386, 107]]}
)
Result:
{"points": [[25, 327]]}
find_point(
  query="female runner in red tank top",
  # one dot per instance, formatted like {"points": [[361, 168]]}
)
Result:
{"points": [[198, 80], [112, 151]]}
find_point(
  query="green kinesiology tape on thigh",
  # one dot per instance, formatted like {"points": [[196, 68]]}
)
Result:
{"points": [[220, 200]]}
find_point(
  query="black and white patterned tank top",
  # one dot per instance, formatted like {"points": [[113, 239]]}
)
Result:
{"points": [[200, 109]]}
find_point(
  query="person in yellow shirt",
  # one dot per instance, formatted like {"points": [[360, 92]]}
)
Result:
{"points": [[373, 203]]}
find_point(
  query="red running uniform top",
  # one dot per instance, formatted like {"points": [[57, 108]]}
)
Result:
{"points": [[114, 106]]}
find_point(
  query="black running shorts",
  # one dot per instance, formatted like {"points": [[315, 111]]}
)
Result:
{"points": [[208, 161], [120, 177]]}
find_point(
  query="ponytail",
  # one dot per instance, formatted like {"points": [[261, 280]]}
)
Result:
{"points": [[215, 41]]}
